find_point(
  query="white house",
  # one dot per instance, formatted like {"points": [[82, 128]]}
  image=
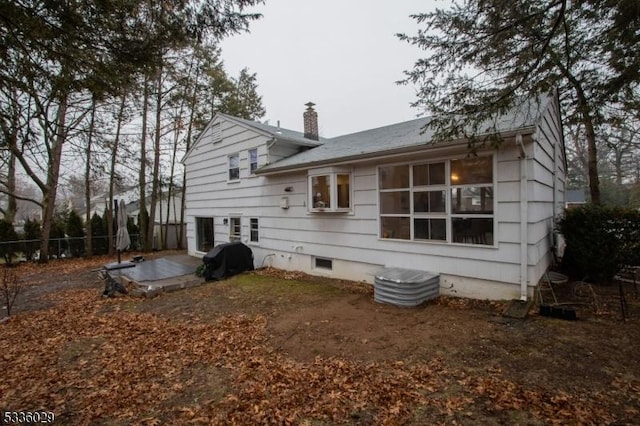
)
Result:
{"points": [[347, 206]]}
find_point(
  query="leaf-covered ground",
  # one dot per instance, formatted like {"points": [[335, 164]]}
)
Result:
{"points": [[282, 348]]}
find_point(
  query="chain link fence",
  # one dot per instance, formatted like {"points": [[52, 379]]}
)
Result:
{"points": [[25, 250]]}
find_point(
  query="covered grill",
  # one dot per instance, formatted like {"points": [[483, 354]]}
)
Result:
{"points": [[226, 260]]}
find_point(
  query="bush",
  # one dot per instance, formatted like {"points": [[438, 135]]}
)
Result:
{"points": [[600, 241], [98, 232], [8, 238], [75, 232], [32, 235], [57, 238]]}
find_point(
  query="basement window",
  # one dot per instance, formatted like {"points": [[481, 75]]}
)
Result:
{"points": [[323, 263]]}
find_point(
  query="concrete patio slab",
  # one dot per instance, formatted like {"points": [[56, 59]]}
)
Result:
{"points": [[155, 276]]}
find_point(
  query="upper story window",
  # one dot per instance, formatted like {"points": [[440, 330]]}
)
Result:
{"points": [[330, 190], [450, 201], [253, 160], [234, 167]]}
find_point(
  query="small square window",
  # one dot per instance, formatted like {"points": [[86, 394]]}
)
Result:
{"points": [[322, 263]]}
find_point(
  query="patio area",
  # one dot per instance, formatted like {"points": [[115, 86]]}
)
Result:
{"points": [[151, 277]]}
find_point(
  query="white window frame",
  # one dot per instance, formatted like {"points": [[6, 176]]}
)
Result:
{"points": [[256, 229], [199, 235], [448, 215], [229, 168], [253, 166], [332, 174], [233, 237]]}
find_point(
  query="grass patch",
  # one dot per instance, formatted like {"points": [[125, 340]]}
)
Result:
{"points": [[254, 284]]}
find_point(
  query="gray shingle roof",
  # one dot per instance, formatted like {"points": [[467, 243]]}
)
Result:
{"points": [[277, 132], [394, 137]]}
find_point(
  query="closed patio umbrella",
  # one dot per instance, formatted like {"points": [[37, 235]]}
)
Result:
{"points": [[122, 235]]}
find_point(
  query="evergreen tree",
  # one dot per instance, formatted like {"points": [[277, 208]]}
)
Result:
{"points": [[57, 243], [32, 235], [484, 57], [9, 237], [75, 233], [243, 101], [98, 233]]}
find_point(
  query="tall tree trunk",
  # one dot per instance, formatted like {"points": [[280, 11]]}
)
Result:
{"points": [[88, 238], [10, 131], [49, 192], [183, 198], [112, 173], [143, 170], [12, 205], [155, 185], [589, 131]]}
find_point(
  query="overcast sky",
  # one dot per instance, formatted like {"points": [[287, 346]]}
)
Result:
{"points": [[342, 55]]}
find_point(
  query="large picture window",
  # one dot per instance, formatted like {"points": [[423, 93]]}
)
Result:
{"points": [[450, 201], [330, 192], [204, 233]]}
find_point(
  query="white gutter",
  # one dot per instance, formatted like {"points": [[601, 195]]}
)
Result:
{"points": [[524, 217]]}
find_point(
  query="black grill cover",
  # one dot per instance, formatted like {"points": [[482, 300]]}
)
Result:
{"points": [[226, 260]]}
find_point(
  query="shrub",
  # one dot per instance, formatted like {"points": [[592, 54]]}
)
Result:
{"points": [[32, 235], [98, 232], [75, 232], [8, 238], [600, 241]]}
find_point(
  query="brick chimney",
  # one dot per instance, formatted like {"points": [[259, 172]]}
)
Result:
{"points": [[310, 122]]}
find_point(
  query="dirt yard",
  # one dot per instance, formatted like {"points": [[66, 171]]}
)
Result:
{"points": [[283, 348]]}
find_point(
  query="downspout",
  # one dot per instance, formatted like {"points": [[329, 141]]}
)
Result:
{"points": [[524, 218], [270, 144]]}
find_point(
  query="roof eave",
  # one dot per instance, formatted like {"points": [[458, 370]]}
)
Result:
{"points": [[381, 154]]}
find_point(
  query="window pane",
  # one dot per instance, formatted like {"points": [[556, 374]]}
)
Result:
{"points": [[429, 202], [430, 229], [321, 189], [343, 192], [394, 177], [253, 230], [396, 202], [204, 233], [428, 174], [234, 167], [253, 160], [395, 227], [436, 174], [472, 170], [234, 230], [472, 230], [472, 200]]}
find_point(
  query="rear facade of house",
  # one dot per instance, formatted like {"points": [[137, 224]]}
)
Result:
{"points": [[348, 206]]}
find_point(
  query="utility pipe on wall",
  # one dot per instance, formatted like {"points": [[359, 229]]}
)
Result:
{"points": [[524, 218]]}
